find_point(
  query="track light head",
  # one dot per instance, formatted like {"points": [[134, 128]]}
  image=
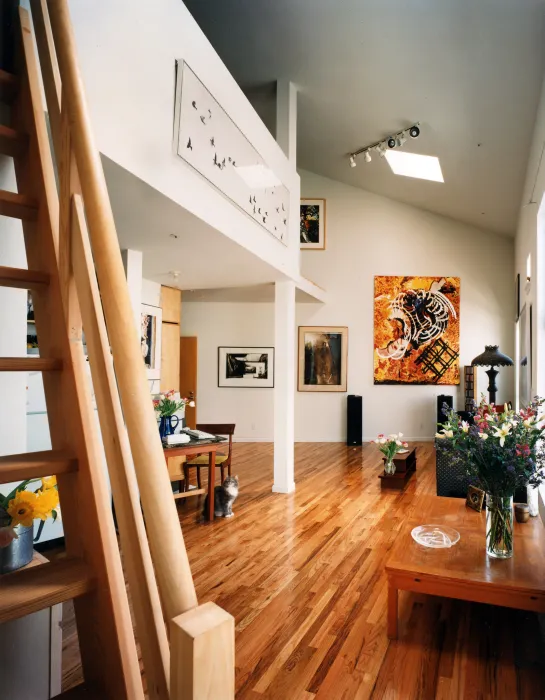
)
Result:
{"points": [[414, 132], [367, 157], [382, 152], [391, 142], [353, 161]]}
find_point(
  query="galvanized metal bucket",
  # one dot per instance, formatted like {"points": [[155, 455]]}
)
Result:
{"points": [[20, 552]]}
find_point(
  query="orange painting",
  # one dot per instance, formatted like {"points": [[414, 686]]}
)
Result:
{"points": [[417, 330]]}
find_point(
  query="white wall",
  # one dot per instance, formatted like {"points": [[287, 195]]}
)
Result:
{"points": [[127, 51], [367, 235]]}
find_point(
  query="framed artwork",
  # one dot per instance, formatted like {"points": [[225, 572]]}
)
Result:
{"points": [[323, 357], [312, 224], [246, 368], [517, 298], [475, 498], [150, 339], [417, 330], [524, 328]]}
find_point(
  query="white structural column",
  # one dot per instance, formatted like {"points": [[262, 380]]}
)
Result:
{"points": [[284, 386], [286, 118], [132, 262]]}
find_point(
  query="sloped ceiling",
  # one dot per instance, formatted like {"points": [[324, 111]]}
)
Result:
{"points": [[469, 70]]}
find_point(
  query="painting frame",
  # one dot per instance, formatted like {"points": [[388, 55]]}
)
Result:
{"points": [[320, 244], [230, 357], [155, 313], [302, 384], [416, 330]]}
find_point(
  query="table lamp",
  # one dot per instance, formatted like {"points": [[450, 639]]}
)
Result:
{"points": [[492, 357]]}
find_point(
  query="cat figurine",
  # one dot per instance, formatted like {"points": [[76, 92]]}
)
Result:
{"points": [[224, 497]]}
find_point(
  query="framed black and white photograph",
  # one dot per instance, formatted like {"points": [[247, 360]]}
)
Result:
{"points": [[246, 368], [150, 339]]}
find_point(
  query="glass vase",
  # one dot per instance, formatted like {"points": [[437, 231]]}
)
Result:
{"points": [[499, 526], [389, 466]]}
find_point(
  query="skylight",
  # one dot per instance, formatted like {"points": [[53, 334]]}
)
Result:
{"points": [[414, 165]]}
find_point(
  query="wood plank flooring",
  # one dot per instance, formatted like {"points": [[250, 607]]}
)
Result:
{"points": [[304, 577]]}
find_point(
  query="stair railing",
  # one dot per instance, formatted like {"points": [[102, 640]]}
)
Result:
{"points": [[200, 662]]}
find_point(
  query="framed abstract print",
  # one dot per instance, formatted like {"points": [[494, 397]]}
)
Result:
{"points": [[312, 224]]}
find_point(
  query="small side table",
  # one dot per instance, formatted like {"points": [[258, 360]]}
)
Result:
{"points": [[405, 464]]}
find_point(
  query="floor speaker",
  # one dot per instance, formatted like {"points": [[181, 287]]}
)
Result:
{"points": [[441, 401], [354, 420]]}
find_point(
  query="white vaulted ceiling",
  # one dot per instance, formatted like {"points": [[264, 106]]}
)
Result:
{"points": [[469, 70]]}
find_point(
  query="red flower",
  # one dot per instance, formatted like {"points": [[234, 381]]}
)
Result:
{"points": [[522, 450]]}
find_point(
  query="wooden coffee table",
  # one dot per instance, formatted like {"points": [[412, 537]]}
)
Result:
{"points": [[465, 571]]}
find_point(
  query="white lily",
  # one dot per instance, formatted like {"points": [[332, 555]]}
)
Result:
{"points": [[503, 432], [464, 426], [444, 434], [483, 436], [529, 422]]}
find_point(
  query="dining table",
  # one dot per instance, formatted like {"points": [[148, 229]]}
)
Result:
{"points": [[192, 449]]}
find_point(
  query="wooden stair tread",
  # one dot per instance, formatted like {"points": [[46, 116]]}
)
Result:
{"points": [[28, 590], [34, 465], [22, 279], [18, 206], [12, 143], [9, 84], [29, 364], [80, 692]]}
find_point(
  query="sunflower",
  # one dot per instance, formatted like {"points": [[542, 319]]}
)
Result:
{"points": [[49, 482], [46, 502], [22, 508]]}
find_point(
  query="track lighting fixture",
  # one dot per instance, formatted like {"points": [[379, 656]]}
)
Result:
{"points": [[381, 147]]}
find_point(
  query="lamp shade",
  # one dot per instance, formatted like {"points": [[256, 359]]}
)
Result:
{"points": [[492, 357]]}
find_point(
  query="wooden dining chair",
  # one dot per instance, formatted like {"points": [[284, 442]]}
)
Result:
{"points": [[223, 461]]}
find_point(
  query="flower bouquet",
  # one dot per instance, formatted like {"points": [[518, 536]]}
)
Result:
{"points": [[166, 405], [390, 446], [500, 453], [18, 510]]}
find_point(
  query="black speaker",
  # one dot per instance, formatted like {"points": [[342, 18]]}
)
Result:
{"points": [[354, 420], [441, 400]]}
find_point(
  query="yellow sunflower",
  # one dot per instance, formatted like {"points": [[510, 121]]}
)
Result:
{"points": [[47, 500], [21, 509], [49, 482]]}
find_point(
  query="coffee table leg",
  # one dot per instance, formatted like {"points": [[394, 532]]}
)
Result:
{"points": [[211, 480], [392, 611]]}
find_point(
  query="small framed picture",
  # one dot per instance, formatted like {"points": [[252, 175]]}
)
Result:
{"points": [[150, 339], [246, 368], [312, 224], [323, 355], [475, 498]]}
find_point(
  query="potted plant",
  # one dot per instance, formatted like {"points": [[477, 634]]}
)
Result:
{"points": [[500, 453], [166, 406], [18, 511], [390, 446]]}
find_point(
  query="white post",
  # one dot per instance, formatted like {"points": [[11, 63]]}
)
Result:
{"points": [[13, 314], [132, 262], [286, 118], [284, 386]]}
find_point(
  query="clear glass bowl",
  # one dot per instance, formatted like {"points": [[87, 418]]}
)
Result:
{"points": [[435, 536]]}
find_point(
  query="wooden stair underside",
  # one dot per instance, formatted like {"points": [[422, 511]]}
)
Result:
{"points": [[31, 589]]}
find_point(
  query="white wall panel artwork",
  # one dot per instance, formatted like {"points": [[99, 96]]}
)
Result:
{"points": [[207, 138]]}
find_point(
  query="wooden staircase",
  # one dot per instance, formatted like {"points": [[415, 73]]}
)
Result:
{"points": [[76, 279]]}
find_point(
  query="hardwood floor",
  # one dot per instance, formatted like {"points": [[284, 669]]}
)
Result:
{"points": [[304, 577]]}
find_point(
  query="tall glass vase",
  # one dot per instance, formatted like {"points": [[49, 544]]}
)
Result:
{"points": [[499, 526], [389, 466]]}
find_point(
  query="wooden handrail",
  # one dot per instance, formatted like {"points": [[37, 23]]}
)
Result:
{"points": [[138, 563], [164, 532]]}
